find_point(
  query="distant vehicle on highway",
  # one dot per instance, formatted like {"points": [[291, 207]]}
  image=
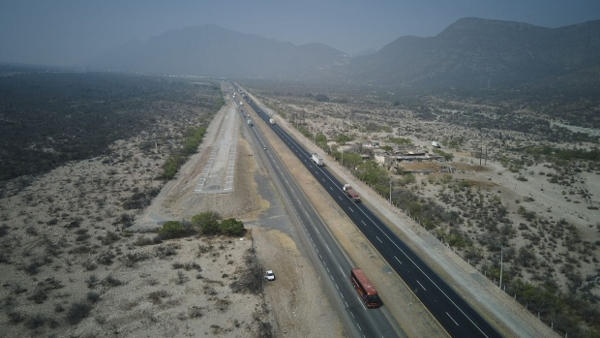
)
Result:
{"points": [[351, 193], [365, 289], [270, 275], [317, 159]]}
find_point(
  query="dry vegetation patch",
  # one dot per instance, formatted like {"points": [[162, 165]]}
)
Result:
{"points": [[524, 201]]}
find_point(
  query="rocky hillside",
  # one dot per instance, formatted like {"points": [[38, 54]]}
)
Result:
{"points": [[480, 53], [470, 54], [210, 50]]}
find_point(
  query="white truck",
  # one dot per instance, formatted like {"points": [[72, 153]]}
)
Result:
{"points": [[317, 159], [272, 121]]}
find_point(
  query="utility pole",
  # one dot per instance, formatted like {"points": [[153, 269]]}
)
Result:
{"points": [[501, 267], [480, 146], [390, 189]]}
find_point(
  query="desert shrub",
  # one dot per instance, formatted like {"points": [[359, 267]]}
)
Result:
{"points": [[164, 251], [195, 312], [16, 317], [39, 295], [193, 138], [31, 230], [342, 138], [232, 227], [89, 265], [156, 296], [33, 268], [77, 312], [93, 296], [92, 281], [209, 290], [143, 241], [106, 258], [526, 257], [203, 248], [125, 219], [223, 304], [3, 230], [140, 200], [207, 223], [110, 280], [174, 229], [265, 330], [131, 258], [171, 166], [447, 156], [36, 321], [110, 238], [58, 307], [181, 278], [192, 265], [4, 257], [250, 278], [177, 265]]}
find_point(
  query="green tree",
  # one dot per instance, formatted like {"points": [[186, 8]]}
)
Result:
{"points": [[207, 223], [172, 229], [232, 227]]}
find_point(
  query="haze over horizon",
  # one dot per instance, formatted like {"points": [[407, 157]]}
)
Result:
{"points": [[68, 33]]}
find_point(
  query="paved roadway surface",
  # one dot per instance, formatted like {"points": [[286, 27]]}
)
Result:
{"points": [[358, 319], [457, 317]]}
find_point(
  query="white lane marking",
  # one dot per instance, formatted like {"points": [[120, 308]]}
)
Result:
{"points": [[452, 319], [379, 239], [363, 222], [327, 246], [422, 286], [398, 260], [350, 209], [396, 245]]}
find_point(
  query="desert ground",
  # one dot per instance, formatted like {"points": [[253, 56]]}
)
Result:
{"points": [[75, 262], [552, 234]]}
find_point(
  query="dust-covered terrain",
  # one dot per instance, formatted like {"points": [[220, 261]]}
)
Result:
{"points": [[80, 257], [519, 191]]}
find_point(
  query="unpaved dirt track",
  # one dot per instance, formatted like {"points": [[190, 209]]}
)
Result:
{"points": [[297, 304]]}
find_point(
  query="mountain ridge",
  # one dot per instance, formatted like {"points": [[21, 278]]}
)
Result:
{"points": [[471, 53]]}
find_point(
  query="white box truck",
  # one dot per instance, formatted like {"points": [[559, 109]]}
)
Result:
{"points": [[317, 159]]}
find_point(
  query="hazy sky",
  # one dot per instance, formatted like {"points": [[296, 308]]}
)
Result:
{"points": [[66, 32]]}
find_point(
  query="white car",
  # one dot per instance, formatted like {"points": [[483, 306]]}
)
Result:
{"points": [[269, 275]]}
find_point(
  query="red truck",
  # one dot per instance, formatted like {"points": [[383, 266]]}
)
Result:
{"points": [[351, 193]]}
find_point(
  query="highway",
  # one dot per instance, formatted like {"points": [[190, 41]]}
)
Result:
{"points": [[359, 321], [457, 317]]}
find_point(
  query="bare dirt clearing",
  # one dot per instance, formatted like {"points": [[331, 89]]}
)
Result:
{"points": [[70, 265]]}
